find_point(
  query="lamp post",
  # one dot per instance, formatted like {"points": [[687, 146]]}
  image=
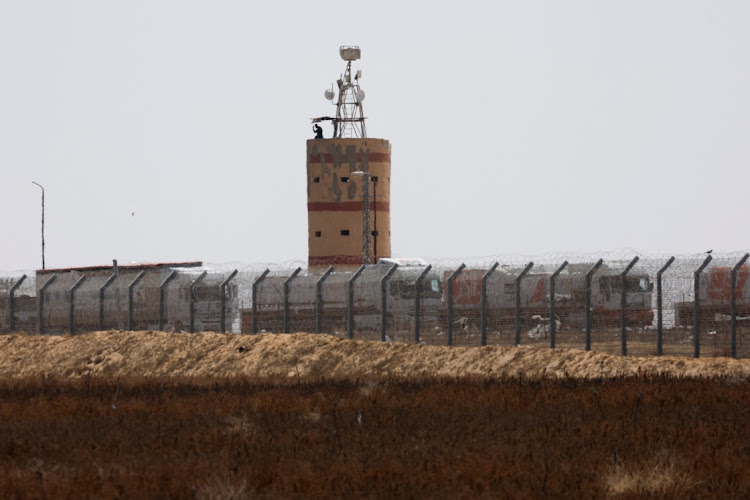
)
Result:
{"points": [[365, 215], [42, 188], [375, 219]]}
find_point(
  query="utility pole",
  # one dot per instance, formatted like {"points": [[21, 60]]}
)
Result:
{"points": [[42, 221]]}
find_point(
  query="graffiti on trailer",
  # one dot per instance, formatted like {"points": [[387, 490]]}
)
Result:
{"points": [[538, 291], [467, 286], [720, 285]]}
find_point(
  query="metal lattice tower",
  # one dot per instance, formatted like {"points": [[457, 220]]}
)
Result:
{"points": [[350, 120]]}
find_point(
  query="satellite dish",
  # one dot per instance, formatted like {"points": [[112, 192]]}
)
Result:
{"points": [[329, 94], [361, 95]]}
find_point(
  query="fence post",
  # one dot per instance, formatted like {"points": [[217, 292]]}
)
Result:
{"points": [[12, 304], [254, 299], [451, 278], [131, 323], [162, 298], [624, 305], [659, 309], [192, 300], [696, 307], [103, 289], [733, 303], [552, 324], [483, 303], [418, 301], [319, 300], [71, 318], [518, 300], [40, 300], [587, 300], [350, 303], [384, 301], [286, 298], [224, 285]]}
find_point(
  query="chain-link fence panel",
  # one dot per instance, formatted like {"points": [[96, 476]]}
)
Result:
{"points": [[55, 292], [463, 327], [18, 302], [85, 303], [114, 305], [270, 303], [302, 307], [368, 303], [400, 293], [335, 303]]}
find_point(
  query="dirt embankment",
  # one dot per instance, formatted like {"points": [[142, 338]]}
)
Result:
{"points": [[119, 353]]}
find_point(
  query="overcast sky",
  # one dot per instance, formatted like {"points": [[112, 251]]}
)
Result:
{"points": [[175, 130]]}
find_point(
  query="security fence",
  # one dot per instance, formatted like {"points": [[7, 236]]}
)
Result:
{"points": [[630, 304]]}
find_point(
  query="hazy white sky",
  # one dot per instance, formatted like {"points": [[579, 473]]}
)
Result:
{"points": [[526, 126]]}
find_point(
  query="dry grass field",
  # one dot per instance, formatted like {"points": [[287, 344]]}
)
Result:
{"points": [[157, 415]]}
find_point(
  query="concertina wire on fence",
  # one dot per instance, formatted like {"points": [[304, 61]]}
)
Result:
{"points": [[498, 300]]}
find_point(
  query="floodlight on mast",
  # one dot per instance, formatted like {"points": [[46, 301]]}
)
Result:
{"points": [[349, 53]]}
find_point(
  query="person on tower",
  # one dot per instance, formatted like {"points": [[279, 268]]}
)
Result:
{"points": [[318, 131]]}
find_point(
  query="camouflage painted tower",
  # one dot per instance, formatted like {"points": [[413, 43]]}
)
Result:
{"points": [[348, 182]]}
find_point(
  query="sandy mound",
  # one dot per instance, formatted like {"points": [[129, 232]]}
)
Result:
{"points": [[121, 353]]}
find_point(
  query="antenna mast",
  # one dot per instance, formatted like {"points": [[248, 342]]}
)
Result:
{"points": [[350, 120]]}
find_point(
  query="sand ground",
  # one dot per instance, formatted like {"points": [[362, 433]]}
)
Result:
{"points": [[156, 354]]}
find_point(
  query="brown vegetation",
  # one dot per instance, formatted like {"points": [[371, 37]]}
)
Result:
{"points": [[154, 415], [510, 437]]}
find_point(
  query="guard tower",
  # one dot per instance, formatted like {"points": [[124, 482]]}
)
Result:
{"points": [[348, 182]]}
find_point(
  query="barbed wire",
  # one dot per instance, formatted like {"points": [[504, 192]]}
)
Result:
{"points": [[289, 296]]}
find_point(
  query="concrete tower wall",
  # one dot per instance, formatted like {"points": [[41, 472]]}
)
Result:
{"points": [[335, 200]]}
